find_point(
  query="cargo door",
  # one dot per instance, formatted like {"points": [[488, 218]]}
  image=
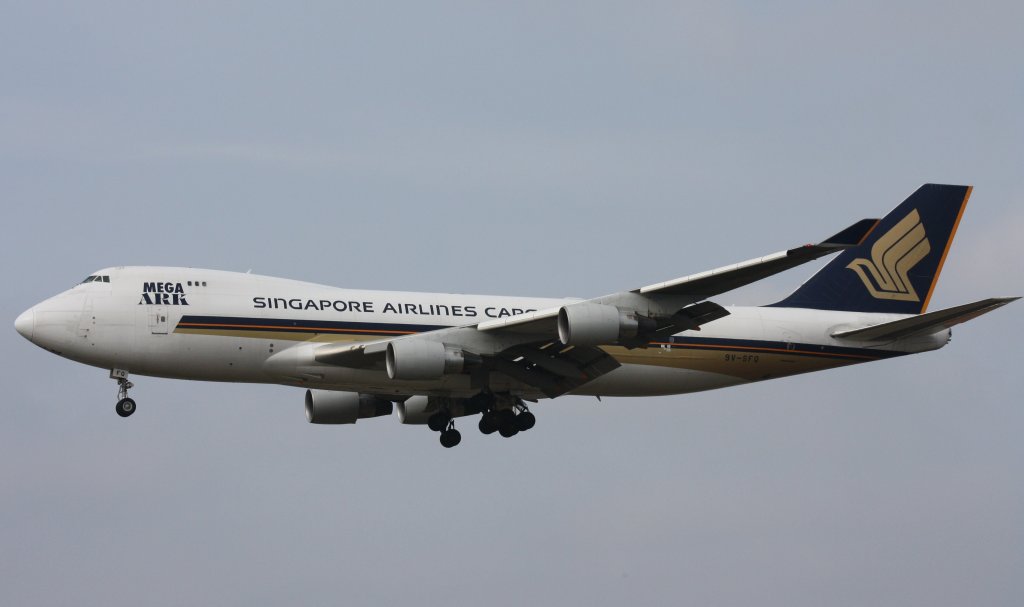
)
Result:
{"points": [[158, 320], [87, 320]]}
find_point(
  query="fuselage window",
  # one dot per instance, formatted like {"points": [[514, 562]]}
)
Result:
{"points": [[190, 283]]}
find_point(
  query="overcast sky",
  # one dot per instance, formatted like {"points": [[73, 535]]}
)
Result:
{"points": [[541, 150]]}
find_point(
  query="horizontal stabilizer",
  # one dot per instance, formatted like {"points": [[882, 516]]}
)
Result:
{"points": [[925, 323]]}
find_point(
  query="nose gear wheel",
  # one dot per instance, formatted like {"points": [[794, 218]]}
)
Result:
{"points": [[125, 406]]}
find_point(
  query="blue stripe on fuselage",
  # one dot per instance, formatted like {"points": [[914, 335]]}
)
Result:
{"points": [[318, 327]]}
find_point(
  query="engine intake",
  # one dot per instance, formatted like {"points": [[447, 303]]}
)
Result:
{"points": [[591, 324], [421, 359], [416, 410], [330, 407]]}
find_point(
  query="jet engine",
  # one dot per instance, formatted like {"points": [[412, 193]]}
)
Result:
{"points": [[591, 324], [331, 407], [421, 359], [416, 410]]}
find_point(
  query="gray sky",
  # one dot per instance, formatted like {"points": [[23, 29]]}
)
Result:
{"points": [[543, 150]]}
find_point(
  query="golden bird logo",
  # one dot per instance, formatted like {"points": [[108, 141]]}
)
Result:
{"points": [[892, 257]]}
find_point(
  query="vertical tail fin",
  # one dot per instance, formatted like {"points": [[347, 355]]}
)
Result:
{"points": [[896, 267]]}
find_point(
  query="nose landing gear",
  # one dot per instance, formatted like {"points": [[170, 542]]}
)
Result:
{"points": [[125, 406]]}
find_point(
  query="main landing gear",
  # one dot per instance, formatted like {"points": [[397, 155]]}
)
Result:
{"points": [[450, 436], [507, 422], [442, 422], [125, 406], [512, 418]]}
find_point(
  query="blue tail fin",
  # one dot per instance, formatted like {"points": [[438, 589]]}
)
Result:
{"points": [[896, 267]]}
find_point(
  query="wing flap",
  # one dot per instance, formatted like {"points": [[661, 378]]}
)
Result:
{"points": [[552, 369], [692, 317]]}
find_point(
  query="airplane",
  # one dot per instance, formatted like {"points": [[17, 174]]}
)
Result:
{"points": [[437, 357]]}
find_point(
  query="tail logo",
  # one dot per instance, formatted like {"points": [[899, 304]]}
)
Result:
{"points": [[892, 257]]}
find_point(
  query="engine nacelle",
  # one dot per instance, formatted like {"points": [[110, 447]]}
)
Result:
{"points": [[415, 410], [591, 324], [422, 359], [331, 407]]}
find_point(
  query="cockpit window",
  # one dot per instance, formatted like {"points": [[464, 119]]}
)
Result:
{"points": [[96, 279]]}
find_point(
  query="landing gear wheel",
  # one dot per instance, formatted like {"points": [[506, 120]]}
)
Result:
{"points": [[450, 438], [525, 421], [507, 425], [510, 429], [125, 407], [488, 423]]}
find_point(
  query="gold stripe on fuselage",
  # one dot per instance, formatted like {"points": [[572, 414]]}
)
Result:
{"points": [[750, 364]]}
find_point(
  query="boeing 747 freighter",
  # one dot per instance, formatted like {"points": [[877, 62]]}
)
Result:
{"points": [[435, 357]]}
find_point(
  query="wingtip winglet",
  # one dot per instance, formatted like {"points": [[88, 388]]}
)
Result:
{"points": [[851, 236]]}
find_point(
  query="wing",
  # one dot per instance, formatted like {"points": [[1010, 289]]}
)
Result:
{"points": [[362, 355], [556, 350], [713, 282], [546, 365], [696, 287]]}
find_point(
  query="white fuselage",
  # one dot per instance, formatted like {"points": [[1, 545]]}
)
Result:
{"points": [[225, 326]]}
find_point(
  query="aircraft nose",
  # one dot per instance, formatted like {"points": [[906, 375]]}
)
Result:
{"points": [[26, 323]]}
